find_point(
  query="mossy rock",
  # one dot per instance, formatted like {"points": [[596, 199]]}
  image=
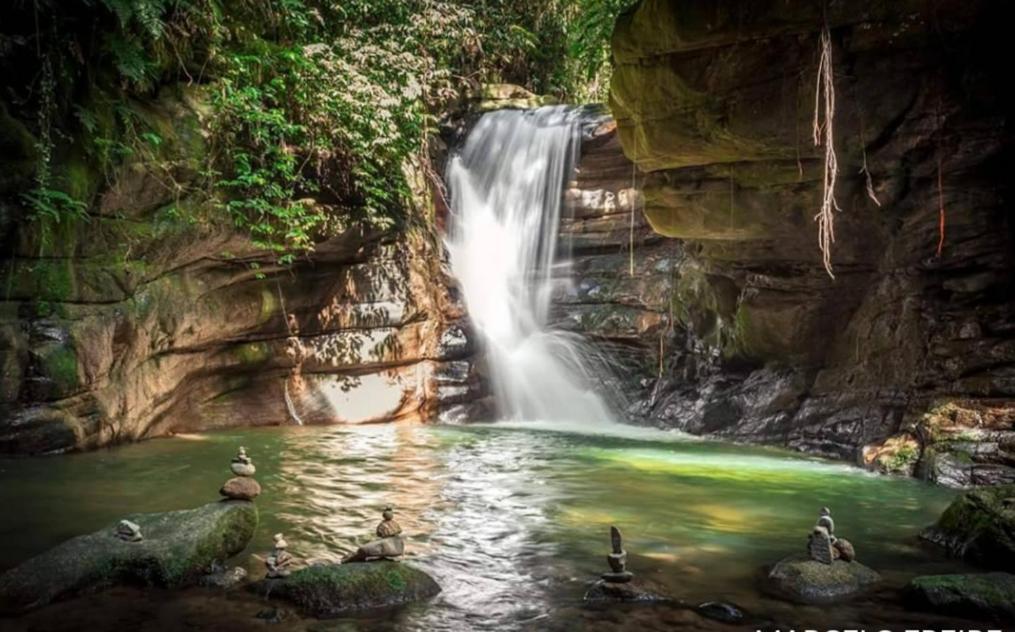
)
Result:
{"points": [[986, 595], [178, 547], [804, 580], [979, 526], [328, 590]]}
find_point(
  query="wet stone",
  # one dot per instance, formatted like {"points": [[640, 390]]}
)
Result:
{"points": [[129, 531], [223, 577], [720, 611], [389, 546], [628, 592], [805, 580], [241, 488], [819, 546]]}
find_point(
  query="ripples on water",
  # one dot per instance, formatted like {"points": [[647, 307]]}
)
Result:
{"points": [[512, 522]]}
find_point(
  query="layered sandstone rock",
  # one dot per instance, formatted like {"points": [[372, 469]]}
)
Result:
{"points": [[617, 288], [155, 317]]}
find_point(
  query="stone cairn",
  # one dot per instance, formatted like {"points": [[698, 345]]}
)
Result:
{"points": [[242, 486], [129, 531], [617, 560], [388, 546], [823, 546], [279, 561], [619, 585]]}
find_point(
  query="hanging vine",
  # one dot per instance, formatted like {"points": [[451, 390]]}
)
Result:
{"points": [[940, 208], [824, 119], [864, 170]]}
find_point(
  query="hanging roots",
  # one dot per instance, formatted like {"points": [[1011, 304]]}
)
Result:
{"points": [[940, 208], [634, 203], [864, 171], [824, 102]]}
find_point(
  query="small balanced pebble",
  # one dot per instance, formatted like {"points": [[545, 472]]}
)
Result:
{"points": [[242, 486], [241, 464], [129, 531]]}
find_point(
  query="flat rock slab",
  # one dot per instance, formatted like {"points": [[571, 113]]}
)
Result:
{"points": [[329, 590], [977, 595], [178, 547], [804, 580]]}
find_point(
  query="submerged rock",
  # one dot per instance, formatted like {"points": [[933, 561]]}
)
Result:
{"points": [[222, 577], [604, 591], [720, 611], [274, 615], [808, 581], [328, 590], [179, 547], [986, 595], [979, 526]]}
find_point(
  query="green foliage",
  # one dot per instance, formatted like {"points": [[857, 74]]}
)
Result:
{"points": [[320, 107], [902, 459], [588, 51]]}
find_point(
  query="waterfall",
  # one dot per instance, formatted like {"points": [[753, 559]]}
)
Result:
{"points": [[507, 186]]}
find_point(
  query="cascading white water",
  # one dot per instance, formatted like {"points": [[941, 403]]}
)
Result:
{"points": [[507, 186]]}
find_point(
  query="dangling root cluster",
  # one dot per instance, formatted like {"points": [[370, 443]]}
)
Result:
{"points": [[824, 103]]}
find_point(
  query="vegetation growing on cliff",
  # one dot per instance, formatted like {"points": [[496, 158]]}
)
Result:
{"points": [[311, 100]]}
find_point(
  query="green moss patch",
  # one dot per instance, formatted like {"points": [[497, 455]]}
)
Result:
{"points": [[178, 547], [328, 590], [988, 595]]}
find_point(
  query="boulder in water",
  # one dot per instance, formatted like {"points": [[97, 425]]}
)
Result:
{"points": [[178, 548], [976, 595], [328, 590], [979, 526], [804, 580]]}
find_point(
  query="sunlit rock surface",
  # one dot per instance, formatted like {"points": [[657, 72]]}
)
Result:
{"points": [[139, 323], [714, 102]]}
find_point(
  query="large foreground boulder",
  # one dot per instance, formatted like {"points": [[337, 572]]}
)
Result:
{"points": [[804, 580], [979, 526], [976, 595], [178, 547], [328, 590]]}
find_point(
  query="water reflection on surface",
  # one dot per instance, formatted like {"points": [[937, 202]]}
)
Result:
{"points": [[512, 522]]}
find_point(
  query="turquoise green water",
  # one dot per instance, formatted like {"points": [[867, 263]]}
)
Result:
{"points": [[512, 522]]}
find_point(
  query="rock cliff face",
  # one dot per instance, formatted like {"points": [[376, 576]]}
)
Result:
{"points": [[619, 283], [139, 323], [714, 103]]}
